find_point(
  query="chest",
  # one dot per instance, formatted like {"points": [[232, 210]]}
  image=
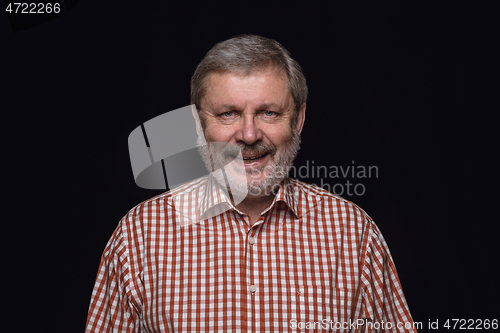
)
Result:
{"points": [[265, 278]]}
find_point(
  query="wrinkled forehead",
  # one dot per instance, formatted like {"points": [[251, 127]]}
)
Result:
{"points": [[269, 83]]}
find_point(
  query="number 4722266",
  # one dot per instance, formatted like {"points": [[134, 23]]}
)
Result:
{"points": [[33, 8], [471, 324]]}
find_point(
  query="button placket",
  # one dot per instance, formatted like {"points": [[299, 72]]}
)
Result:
{"points": [[253, 262]]}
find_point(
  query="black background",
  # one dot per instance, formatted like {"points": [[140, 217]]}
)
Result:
{"points": [[392, 84]]}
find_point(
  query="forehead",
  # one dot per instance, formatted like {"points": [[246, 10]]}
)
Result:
{"points": [[264, 86]]}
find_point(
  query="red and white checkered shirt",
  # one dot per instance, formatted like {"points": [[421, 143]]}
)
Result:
{"points": [[313, 261]]}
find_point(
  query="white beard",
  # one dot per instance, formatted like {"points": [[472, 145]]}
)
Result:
{"points": [[216, 155]]}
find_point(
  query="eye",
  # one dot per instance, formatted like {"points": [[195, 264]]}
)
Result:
{"points": [[227, 114], [269, 113]]}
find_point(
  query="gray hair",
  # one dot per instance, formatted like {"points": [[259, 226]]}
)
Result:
{"points": [[244, 54]]}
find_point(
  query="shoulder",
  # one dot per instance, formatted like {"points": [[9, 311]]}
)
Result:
{"points": [[314, 199], [162, 209]]}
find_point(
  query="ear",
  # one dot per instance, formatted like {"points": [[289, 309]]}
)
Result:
{"points": [[301, 118], [197, 120]]}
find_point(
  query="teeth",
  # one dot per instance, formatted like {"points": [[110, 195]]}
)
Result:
{"points": [[253, 158]]}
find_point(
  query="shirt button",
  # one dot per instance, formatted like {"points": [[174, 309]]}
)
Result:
{"points": [[252, 288], [251, 240]]}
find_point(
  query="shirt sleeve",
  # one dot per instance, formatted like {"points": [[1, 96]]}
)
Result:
{"points": [[385, 307], [112, 308]]}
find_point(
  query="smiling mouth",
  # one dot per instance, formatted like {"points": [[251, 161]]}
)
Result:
{"points": [[254, 158]]}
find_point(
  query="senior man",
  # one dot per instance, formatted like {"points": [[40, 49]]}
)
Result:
{"points": [[289, 256]]}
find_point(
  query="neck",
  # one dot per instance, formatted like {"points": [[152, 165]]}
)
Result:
{"points": [[253, 207]]}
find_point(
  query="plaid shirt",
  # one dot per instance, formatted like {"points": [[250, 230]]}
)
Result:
{"points": [[313, 261]]}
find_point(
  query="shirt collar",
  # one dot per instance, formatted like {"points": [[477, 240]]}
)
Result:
{"points": [[215, 200], [289, 194]]}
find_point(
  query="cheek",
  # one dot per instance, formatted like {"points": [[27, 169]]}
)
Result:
{"points": [[280, 136], [218, 133]]}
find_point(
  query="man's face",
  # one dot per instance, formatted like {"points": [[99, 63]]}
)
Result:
{"points": [[254, 113]]}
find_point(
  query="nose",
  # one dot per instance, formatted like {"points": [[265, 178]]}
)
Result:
{"points": [[249, 131]]}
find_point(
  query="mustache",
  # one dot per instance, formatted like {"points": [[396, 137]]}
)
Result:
{"points": [[258, 148]]}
